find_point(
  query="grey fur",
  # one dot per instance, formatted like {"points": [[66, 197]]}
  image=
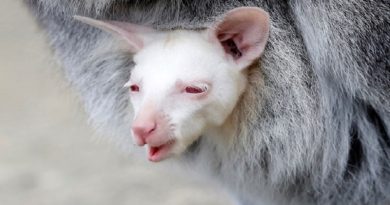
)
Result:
{"points": [[315, 120]]}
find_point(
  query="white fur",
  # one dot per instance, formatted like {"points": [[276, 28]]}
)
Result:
{"points": [[187, 56], [212, 59]]}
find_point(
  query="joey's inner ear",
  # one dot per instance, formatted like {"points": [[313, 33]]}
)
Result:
{"points": [[243, 33], [134, 35]]}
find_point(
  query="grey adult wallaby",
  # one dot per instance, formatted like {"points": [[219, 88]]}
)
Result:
{"points": [[313, 123]]}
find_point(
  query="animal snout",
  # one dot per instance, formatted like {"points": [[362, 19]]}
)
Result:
{"points": [[143, 130]]}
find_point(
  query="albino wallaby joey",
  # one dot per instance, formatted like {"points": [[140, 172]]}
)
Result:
{"points": [[186, 83]]}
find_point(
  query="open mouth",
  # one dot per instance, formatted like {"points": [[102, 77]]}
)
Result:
{"points": [[156, 154]]}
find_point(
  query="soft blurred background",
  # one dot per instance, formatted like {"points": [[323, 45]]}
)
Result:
{"points": [[48, 154]]}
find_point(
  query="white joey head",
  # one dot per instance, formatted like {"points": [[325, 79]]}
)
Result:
{"points": [[186, 82]]}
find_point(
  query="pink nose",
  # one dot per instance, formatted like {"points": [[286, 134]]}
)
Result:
{"points": [[143, 131]]}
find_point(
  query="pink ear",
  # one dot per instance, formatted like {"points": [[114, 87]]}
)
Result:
{"points": [[243, 33], [132, 33]]}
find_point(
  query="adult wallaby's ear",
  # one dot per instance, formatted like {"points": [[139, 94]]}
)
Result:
{"points": [[243, 33], [134, 35]]}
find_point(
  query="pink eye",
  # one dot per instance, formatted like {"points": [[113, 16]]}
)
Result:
{"points": [[134, 88], [194, 90]]}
